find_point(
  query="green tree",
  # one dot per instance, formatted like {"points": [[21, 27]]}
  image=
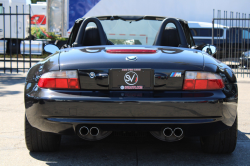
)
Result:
{"points": [[34, 1]]}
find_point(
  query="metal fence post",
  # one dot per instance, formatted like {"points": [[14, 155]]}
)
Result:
{"points": [[213, 32], [213, 29], [237, 40], [17, 38], [4, 38], [10, 45], [248, 47], [30, 32], [23, 42]]}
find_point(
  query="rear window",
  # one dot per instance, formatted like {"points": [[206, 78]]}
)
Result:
{"points": [[206, 32]]}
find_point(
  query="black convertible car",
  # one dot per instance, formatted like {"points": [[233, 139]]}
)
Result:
{"points": [[131, 73]]}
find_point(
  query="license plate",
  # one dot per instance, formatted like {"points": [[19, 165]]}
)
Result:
{"points": [[131, 79]]}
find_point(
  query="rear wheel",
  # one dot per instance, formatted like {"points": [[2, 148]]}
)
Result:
{"points": [[223, 142], [38, 141]]}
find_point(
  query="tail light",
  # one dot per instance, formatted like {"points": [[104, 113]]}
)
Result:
{"points": [[59, 80], [202, 81], [130, 51]]}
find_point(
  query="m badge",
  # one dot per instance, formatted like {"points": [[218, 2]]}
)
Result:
{"points": [[175, 74]]}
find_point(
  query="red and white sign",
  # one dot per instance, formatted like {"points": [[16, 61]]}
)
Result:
{"points": [[38, 19], [38, 13]]}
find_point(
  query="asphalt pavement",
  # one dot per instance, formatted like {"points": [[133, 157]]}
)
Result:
{"points": [[141, 149]]}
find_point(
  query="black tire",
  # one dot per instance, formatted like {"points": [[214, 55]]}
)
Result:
{"points": [[38, 141], [221, 143]]}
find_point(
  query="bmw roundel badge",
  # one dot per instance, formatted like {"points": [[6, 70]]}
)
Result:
{"points": [[91, 74], [131, 58]]}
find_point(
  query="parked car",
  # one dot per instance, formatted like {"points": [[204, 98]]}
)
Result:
{"points": [[97, 85], [244, 60], [239, 40]]}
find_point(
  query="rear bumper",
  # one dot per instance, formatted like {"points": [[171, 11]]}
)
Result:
{"points": [[198, 113]]}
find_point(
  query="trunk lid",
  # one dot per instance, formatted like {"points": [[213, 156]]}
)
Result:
{"points": [[167, 65]]}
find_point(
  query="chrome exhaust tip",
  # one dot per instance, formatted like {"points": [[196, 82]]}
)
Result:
{"points": [[94, 131], [84, 131], [178, 132], [167, 132]]}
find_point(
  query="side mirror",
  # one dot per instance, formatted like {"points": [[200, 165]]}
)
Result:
{"points": [[50, 48], [210, 49]]}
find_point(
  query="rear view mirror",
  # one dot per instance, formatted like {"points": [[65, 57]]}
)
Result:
{"points": [[50, 48], [210, 49]]}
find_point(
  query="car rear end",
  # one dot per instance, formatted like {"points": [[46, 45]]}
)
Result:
{"points": [[163, 87], [152, 92]]}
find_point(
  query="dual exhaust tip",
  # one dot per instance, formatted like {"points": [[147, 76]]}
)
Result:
{"points": [[177, 132], [167, 132], [94, 131]]}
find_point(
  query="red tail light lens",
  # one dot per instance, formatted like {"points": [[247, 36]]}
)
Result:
{"points": [[202, 81], [130, 51], [59, 80]]}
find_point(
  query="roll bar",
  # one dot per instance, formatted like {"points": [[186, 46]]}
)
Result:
{"points": [[179, 28], [79, 38]]}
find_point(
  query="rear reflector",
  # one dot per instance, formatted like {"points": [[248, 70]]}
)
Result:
{"points": [[202, 81], [59, 80], [130, 51]]}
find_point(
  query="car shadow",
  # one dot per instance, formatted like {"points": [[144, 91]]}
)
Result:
{"points": [[141, 150], [4, 93], [6, 81], [11, 80]]}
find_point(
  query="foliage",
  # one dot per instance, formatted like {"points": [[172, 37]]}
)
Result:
{"points": [[117, 41], [40, 33], [20, 56], [34, 1], [125, 42]]}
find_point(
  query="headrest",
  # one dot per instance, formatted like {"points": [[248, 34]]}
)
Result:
{"points": [[170, 37], [91, 37]]}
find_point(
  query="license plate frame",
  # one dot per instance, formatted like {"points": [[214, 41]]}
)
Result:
{"points": [[125, 79]]}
